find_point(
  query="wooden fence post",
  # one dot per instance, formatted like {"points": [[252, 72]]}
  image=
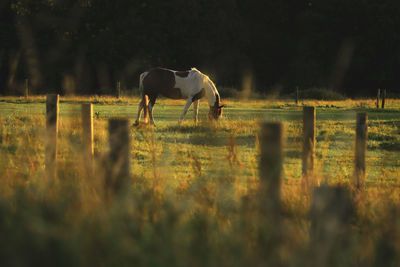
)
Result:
{"points": [[52, 101], [360, 149], [26, 88], [377, 97], [331, 213], [309, 114], [118, 168], [383, 98], [87, 137], [271, 160]]}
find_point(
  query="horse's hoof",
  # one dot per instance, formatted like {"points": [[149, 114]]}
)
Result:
{"points": [[135, 124]]}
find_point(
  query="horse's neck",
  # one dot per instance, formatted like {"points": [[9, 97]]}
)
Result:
{"points": [[211, 94]]}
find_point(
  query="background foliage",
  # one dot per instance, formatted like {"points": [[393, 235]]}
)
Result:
{"points": [[85, 46]]}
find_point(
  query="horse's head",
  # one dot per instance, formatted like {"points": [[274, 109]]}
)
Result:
{"points": [[215, 112], [214, 99]]}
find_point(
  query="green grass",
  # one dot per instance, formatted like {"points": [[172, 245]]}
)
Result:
{"points": [[192, 198], [335, 133], [210, 143]]}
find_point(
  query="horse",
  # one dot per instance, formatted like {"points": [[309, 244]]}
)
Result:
{"points": [[191, 85]]}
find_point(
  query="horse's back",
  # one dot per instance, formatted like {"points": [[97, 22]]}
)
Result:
{"points": [[158, 81], [189, 85], [168, 83], [159, 78]]}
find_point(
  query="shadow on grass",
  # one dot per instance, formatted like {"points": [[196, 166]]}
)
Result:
{"points": [[390, 146], [210, 140], [382, 137], [375, 110], [293, 153], [201, 128]]}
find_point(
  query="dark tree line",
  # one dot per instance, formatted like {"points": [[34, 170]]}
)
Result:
{"points": [[85, 46]]}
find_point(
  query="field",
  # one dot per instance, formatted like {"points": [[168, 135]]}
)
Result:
{"points": [[193, 195]]}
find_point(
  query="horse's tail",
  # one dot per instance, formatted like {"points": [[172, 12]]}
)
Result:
{"points": [[145, 98], [144, 74]]}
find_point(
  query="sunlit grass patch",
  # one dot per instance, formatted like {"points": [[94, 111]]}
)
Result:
{"points": [[193, 191]]}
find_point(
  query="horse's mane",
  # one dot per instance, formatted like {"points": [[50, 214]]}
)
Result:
{"points": [[206, 78], [202, 74], [199, 73], [217, 97]]}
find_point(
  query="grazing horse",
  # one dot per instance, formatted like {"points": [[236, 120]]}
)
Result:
{"points": [[191, 85]]}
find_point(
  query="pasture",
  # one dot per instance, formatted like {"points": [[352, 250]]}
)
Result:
{"points": [[211, 144], [191, 184]]}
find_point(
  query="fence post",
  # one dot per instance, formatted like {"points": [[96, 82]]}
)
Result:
{"points": [[377, 97], [360, 149], [383, 98], [331, 213], [309, 115], [87, 137], [26, 88], [52, 101], [118, 168], [271, 160]]}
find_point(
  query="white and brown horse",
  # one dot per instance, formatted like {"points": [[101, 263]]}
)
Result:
{"points": [[191, 85]]}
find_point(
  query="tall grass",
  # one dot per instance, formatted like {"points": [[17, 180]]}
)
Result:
{"points": [[192, 199]]}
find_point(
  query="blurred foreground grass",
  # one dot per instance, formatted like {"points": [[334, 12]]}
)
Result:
{"points": [[193, 197]]}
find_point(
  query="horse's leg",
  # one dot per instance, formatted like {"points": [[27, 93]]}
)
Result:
{"points": [[141, 106], [196, 109], [146, 108], [185, 109], [152, 102]]}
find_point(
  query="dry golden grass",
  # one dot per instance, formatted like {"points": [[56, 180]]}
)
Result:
{"points": [[193, 194]]}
